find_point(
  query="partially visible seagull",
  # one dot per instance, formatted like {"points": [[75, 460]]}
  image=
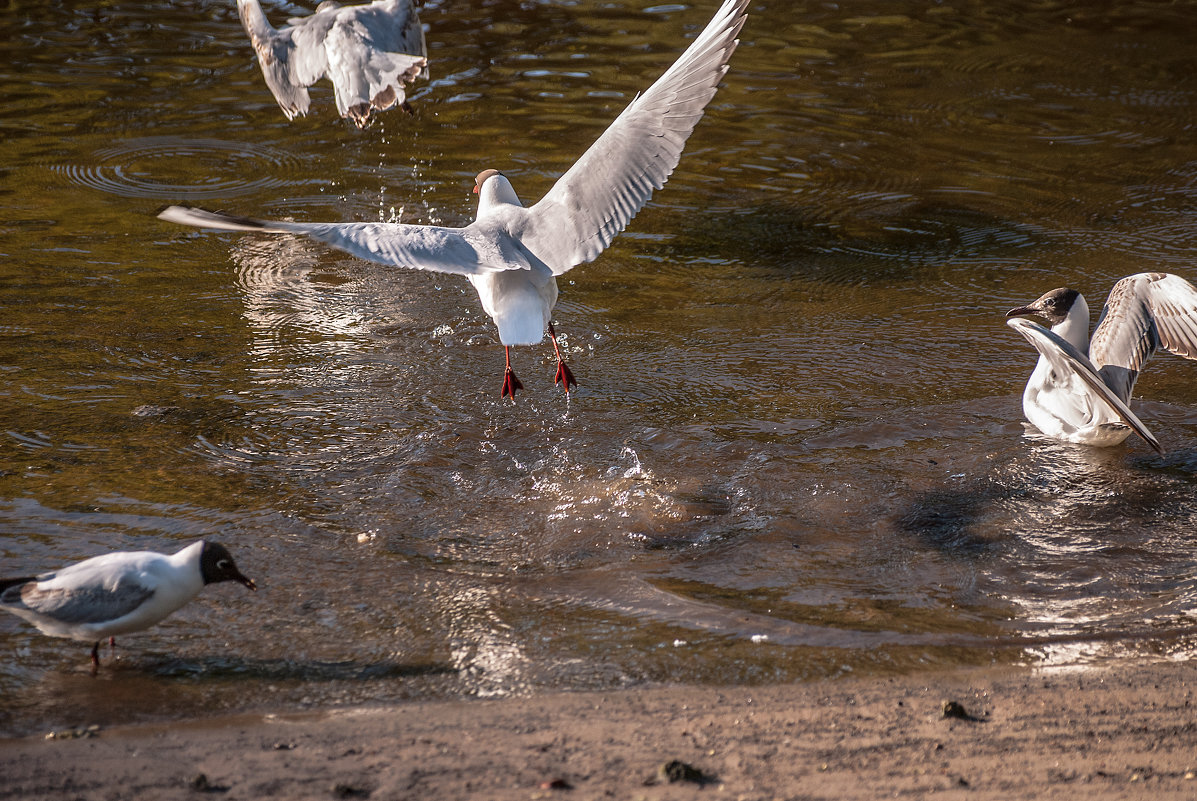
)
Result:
{"points": [[117, 593], [512, 254], [370, 53], [1080, 388]]}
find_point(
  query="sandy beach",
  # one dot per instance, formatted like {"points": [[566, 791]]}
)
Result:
{"points": [[1126, 732]]}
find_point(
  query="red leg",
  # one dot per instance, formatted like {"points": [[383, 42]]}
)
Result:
{"points": [[95, 657], [510, 382], [563, 376]]}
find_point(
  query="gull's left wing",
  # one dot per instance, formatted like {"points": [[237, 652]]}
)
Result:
{"points": [[1142, 313]]}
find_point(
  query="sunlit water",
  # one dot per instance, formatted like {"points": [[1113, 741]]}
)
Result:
{"points": [[796, 450]]}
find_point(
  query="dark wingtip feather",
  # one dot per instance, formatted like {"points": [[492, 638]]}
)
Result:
{"points": [[6, 584]]}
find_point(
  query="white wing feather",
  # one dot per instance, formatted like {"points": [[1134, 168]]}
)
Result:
{"points": [[373, 52], [598, 196]]}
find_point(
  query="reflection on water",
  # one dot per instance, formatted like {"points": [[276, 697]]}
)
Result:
{"points": [[796, 450]]}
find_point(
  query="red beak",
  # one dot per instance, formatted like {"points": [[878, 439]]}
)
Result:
{"points": [[476, 187]]}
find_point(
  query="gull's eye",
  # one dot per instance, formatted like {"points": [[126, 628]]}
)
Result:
{"points": [[223, 564]]}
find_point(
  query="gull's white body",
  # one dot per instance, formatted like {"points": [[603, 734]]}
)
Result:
{"points": [[1080, 387], [512, 254], [519, 301], [369, 52], [112, 594]]}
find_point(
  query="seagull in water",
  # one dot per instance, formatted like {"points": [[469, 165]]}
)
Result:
{"points": [[370, 53], [117, 593], [511, 254], [1080, 388]]}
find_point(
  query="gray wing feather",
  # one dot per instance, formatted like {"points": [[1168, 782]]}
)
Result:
{"points": [[461, 251], [1174, 305], [1061, 353], [366, 80], [598, 196], [395, 27], [85, 605], [421, 247], [373, 52], [1142, 313], [291, 59]]}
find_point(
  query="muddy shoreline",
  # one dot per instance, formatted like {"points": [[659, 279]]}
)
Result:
{"points": [[1126, 731]]}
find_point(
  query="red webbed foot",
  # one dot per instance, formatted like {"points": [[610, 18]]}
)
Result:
{"points": [[510, 383], [564, 377]]}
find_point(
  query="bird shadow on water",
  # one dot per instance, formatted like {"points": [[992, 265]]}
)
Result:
{"points": [[905, 243], [945, 519], [226, 667], [1048, 488]]}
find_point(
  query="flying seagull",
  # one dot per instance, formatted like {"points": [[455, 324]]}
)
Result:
{"points": [[370, 53], [117, 593], [512, 254], [1080, 388]]}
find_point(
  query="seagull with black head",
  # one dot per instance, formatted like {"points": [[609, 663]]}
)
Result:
{"points": [[117, 593], [1081, 387]]}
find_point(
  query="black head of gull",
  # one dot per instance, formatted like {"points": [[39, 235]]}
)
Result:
{"points": [[1081, 386], [1052, 306], [216, 565], [117, 593], [512, 254]]}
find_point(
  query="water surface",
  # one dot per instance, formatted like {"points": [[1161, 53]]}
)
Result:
{"points": [[796, 450]]}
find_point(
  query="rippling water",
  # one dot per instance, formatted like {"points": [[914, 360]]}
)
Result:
{"points": [[796, 451]]}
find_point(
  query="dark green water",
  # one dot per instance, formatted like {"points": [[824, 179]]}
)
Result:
{"points": [[796, 451]]}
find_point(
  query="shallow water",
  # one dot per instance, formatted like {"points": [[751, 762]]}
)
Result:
{"points": [[796, 450]]}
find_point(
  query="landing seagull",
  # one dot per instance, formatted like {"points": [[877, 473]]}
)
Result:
{"points": [[370, 53], [117, 593], [512, 254], [1080, 388]]}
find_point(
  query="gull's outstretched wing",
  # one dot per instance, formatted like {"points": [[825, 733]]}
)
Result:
{"points": [[462, 251], [1066, 359], [1143, 312], [597, 197]]}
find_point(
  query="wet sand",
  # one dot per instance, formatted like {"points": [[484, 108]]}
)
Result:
{"points": [[1112, 733]]}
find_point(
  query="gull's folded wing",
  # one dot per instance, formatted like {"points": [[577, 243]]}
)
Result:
{"points": [[1064, 357]]}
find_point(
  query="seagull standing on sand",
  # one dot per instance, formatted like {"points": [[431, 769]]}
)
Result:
{"points": [[370, 53], [1080, 388], [117, 593], [512, 254]]}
